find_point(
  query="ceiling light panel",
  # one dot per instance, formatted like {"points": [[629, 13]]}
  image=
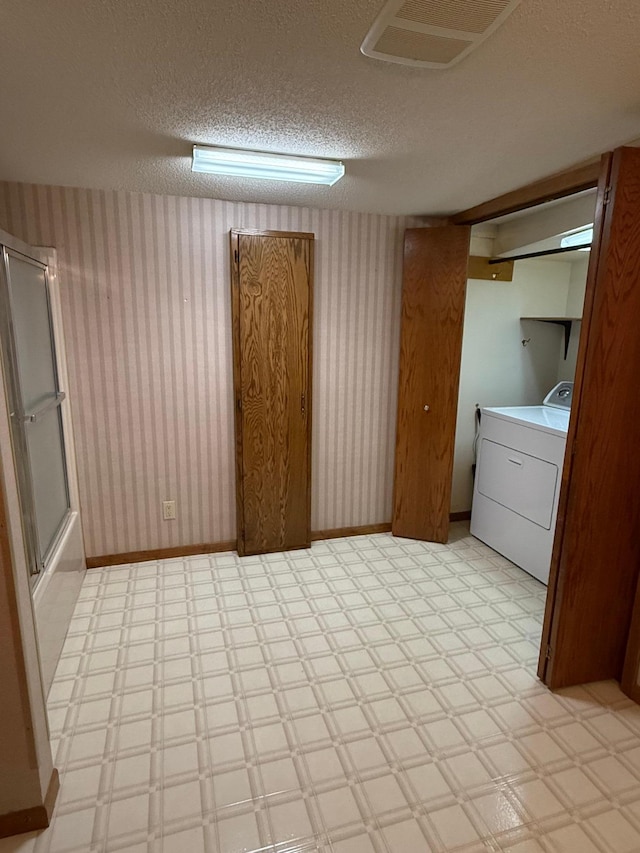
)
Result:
{"points": [[433, 33], [239, 163]]}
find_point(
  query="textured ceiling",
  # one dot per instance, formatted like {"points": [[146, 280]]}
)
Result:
{"points": [[112, 94]]}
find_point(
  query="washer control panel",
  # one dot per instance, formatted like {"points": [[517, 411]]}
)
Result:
{"points": [[560, 397]]}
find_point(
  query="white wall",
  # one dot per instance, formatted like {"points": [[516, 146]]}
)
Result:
{"points": [[577, 285], [575, 301], [496, 369], [147, 310], [547, 221]]}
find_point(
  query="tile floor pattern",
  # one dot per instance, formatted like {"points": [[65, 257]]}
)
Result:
{"points": [[370, 695]]}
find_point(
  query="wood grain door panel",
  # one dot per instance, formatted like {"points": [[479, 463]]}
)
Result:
{"points": [[597, 550], [273, 390], [433, 297]]}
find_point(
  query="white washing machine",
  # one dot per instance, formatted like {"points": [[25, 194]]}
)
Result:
{"points": [[517, 484]]}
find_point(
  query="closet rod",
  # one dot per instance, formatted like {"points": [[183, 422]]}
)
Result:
{"points": [[539, 254]]}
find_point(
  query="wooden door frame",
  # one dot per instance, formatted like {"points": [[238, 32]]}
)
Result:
{"points": [[563, 185], [555, 187], [234, 242], [556, 578]]}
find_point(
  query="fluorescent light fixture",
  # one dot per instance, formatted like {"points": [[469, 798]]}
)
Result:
{"points": [[257, 164], [577, 238]]}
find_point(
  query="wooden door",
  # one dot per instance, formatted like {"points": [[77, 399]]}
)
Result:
{"points": [[271, 286], [596, 557], [433, 298]]}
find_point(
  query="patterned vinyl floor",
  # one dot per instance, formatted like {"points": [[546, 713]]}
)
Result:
{"points": [[370, 695]]}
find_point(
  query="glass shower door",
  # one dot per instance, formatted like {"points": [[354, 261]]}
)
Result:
{"points": [[35, 397]]}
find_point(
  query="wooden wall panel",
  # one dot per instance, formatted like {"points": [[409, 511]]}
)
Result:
{"points": [[273, 389], [433, 298]]}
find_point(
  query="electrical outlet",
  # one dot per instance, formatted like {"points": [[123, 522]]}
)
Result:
{"points": [[168, 510]]}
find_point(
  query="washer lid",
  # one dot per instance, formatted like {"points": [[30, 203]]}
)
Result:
{"points": [[560, 397], [544, 418]]}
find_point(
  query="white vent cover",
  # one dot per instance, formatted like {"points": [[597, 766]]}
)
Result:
{"points": [[433, 33]]}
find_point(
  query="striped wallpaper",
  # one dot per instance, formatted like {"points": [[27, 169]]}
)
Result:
{"points": [[145, 294]]}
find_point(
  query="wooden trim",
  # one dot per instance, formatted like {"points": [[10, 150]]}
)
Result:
{"points": [[159, 554], [309, 398], [257, 232], [218, 547], [632, 691], [35, 818], [341, 532], [629, 681], [234, 236], [465, 515], [548, 189]]}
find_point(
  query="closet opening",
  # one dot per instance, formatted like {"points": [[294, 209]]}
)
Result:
{"points": [[522, 325]]}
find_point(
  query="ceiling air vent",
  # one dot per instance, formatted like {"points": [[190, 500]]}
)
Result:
{"points": [[433, 33]]}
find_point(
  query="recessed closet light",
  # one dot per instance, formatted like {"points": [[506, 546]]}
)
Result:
{"points": [[577, 238]]}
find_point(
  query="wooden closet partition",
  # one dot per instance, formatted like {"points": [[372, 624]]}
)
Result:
{"points": [[271, 294], [594, 569], [433, 298]]}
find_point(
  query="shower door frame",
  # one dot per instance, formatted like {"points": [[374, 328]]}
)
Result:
{"points": [[37, 562]]}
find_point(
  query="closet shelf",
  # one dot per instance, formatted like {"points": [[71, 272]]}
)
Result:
{"points": [[565, 322]]}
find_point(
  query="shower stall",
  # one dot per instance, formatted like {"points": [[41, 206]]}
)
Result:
{"points": [[36, 418]]}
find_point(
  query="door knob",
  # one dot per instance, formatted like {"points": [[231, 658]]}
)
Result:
{"points": [[426, 408]]}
